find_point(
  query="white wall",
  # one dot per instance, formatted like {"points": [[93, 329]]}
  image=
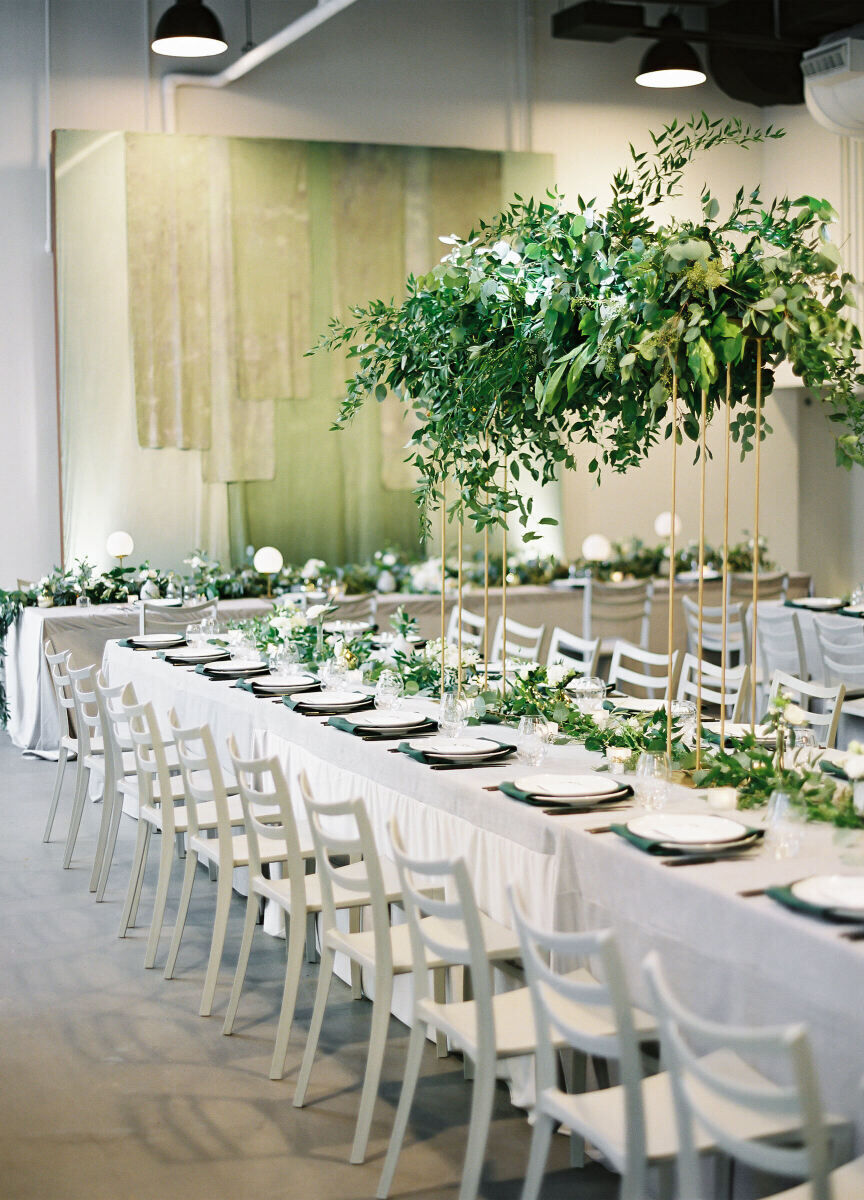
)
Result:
{"points": [[444, 72]]}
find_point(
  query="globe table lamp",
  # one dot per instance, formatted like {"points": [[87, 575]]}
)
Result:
{"points": [[119, 545], [268, 561]]}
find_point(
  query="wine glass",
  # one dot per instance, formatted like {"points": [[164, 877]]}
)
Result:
{"points": [[195, 634], [452, 715], [532, 745], [589, 692], [388, 691], [784, 826], [652, 779]]}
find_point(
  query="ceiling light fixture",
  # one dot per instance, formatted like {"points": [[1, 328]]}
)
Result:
{"points": [[188, 30], [672, 62]]}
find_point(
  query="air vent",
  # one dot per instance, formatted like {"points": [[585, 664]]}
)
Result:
{"points": [[835, 62]]}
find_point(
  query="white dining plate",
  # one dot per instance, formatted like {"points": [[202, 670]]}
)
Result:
{"points": [[688, 829], [394, 720], [460, 748], [818, 602], [199, 653], [303, 679], [567, 786], [239, 664], [160, 602], [735, 729], [158, 641], [845, 893], [335, 700]]}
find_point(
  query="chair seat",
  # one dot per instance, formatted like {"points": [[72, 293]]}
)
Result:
{"points": [[279, 890], [208, 848], [96, 762], [69, 743], [847, 1183], [514, 1020], [206, 816], [601, 1115]]}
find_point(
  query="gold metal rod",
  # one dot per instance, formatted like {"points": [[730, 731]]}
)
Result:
{"points": [[725, 598], [459, 602], [486, 608], [443, 577], [703, 421], [504, 586], [671, 637], [754, 615]]}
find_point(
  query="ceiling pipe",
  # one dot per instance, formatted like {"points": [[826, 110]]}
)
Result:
{"points": [[323, 11]]}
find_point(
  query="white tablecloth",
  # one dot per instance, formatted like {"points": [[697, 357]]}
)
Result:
{"points": [[733, 959]]}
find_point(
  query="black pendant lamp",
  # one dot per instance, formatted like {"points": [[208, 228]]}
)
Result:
{"points": [[188, 30], [672, 62]]}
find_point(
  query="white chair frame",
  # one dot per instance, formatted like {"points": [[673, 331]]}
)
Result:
{"points": [[712, 630], [527, 649], [473, 628], [58, 666], [621, 606], [735, 699], [779, 641], [575, 652], [163, 618], [656, 686], [831, 696]]}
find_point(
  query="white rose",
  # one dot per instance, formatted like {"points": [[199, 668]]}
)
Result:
{"points": [[601, 718], [854, 766], [312, 568], [388, 560], [557, 673], [525, 671], [793, 715], [315, 611]]}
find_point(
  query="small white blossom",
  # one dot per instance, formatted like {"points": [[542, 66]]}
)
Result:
{"points": [[854, 767], [557, 673], [312, 568], [315, 611]]}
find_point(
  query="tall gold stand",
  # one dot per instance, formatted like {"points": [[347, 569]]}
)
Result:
{"points": [[443, 580], [504, 587], [725, 598], [459, 606], [754, 613], [703, 441], [671, 637]]}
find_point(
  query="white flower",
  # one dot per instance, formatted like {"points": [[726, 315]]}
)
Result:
{"points": [[195, 562], [557, 673], [854, 766], [44, 581], [601, 718], [388, 560], [152, 574], [525, 671], [855, 747], [285, 626], [312, 568], [793, 715], [315, 611]]}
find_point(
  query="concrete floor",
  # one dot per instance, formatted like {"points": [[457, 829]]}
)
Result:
{"points": [[112, 1088]]}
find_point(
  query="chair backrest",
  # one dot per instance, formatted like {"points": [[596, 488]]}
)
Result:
{"points": [[779, 642], [151, 763], [655, 683], [733, 699], [841, 650], [455, 932], [339, 828], [473, 627], [203, 781], [618, 610], [520, 641], [58, 665], [798, 585], [356, 608], [573, 651], [162, 618], [704, 1094], [262, 783], [116, 736], [712, 629], [88, 722], [824, 723], [554, 998], [838, 629], [772, 586]]}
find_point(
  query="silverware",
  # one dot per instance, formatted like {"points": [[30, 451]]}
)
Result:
{"points": [[569, 810], [600, 829], [854, 935], [695, 860]]}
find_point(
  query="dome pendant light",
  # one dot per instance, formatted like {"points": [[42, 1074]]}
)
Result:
{"points": [[188, 30], [672, 62]]}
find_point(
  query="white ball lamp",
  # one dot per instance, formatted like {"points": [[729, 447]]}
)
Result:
{"points": [[119, 545], [663, 525], [596, 548], [268, 561]]}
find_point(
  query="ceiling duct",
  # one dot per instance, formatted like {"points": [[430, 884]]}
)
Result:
{"points": [[834, 85]]}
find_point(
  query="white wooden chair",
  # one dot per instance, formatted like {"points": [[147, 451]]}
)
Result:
{"points": [[356, 608], [772, 586], [747, 1116], [617, 610], [262, 782], [574, 652], [712, 631], [207, 800], [779, 642], [842, 660], [58, 665], [384, 950], [91, 752], [798, 585], [734, 699], [652, 681], [473, 628], [522, 641], [160, 796], [840, 630], [165, 618], [824, 723], [487, 1028]]}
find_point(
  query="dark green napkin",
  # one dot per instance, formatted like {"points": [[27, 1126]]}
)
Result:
{"points": [[308, 708], [361, 730], [659, 846], [515, 793], [832, 768], [248, 686], [441, 760], [786, 897]]}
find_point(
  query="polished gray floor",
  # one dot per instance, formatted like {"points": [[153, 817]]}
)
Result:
{"points": [[112, 1088]]}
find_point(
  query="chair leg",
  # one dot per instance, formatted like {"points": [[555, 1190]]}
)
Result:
{"points": [[81, 781], [139, 861], [406, 1099], [665, 1180], [355, 925], [540, 1139], [478, 1130], [439, 990], [111, 843], [293, 967], [182, 911], [325, 974], [102, 839], [374, 1063], [62, 759], [217, 943], [249, 923], [166, 861]]}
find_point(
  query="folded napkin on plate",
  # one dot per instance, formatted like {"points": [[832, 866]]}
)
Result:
{"points": [[833, 768], [667, 849], [440, 760], [786, 897], [269, 693], [361, 730], [515, 793], [305, 705], [128, 644]]}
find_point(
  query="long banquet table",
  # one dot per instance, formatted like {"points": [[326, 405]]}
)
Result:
{"points": [[733, 959]]}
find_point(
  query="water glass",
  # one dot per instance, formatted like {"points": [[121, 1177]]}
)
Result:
{"points": [[82, 601], [589, 692], [452, 715], [784, 825], [195, 634], [652, 779], [531, 746], [684, 712], [332, 675], [388, 691]]}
